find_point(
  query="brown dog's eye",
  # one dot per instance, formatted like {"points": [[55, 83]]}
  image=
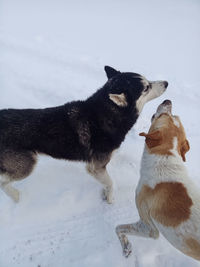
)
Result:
{"points": [[146, 89], [152, 117]]}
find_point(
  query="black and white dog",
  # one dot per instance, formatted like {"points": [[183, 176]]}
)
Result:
{"points": [[86, 131]]}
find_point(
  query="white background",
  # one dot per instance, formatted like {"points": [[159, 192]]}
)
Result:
{"points": [[52, 52]]}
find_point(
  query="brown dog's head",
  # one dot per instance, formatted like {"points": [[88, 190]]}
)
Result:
{"points": [[166, 133]]}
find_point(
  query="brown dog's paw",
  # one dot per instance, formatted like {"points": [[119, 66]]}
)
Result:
{"points": [[127, 250]]}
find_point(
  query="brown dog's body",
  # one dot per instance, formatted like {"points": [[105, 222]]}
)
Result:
{"points": [[167, 199]]}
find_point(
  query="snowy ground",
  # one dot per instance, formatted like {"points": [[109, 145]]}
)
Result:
{"points": [[52, 52]]}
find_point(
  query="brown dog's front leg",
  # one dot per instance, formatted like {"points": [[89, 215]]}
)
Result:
{"points": [[139, 229]]}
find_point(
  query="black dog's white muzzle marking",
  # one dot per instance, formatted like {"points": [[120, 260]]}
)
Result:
{"points": [[156, 89]]}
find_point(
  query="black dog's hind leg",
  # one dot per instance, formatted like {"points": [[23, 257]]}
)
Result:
{"points": [[8, 189], [97, 168], [15, 165]]}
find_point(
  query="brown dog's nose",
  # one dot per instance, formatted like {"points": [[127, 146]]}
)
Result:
{"points": [[167, 102], [166, 84]]}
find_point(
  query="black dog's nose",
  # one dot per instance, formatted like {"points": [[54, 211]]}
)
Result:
{"points": [[166, 84], [167, 102]]}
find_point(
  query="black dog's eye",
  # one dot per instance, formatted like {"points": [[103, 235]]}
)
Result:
{"points": [[146, 89]]}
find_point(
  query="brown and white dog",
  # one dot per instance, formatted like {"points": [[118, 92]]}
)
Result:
{"points": [[167, 199]]}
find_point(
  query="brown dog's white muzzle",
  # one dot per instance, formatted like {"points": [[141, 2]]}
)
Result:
{"points": [[165, 107]]}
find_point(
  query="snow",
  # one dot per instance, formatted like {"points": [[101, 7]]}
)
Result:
{"points": [[52, 52]]}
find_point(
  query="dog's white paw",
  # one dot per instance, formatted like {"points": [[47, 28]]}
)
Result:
{"points": [[11, 192], [107, 196], [127, 249], [16, 196]]}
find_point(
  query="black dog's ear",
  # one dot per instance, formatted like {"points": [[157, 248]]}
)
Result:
{"points": [[110, 72]]}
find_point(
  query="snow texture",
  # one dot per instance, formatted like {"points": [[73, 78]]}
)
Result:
{"points": [[52, 52]]}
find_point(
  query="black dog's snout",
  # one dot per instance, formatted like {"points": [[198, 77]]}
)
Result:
{"points": [[167, 102], [166, 84]]}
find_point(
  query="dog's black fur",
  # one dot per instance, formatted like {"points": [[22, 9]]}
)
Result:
{"points": [[81, 130]]}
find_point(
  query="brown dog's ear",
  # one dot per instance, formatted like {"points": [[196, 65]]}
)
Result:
{"points": [[152, 139], [143, 134], [185, 147]]}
